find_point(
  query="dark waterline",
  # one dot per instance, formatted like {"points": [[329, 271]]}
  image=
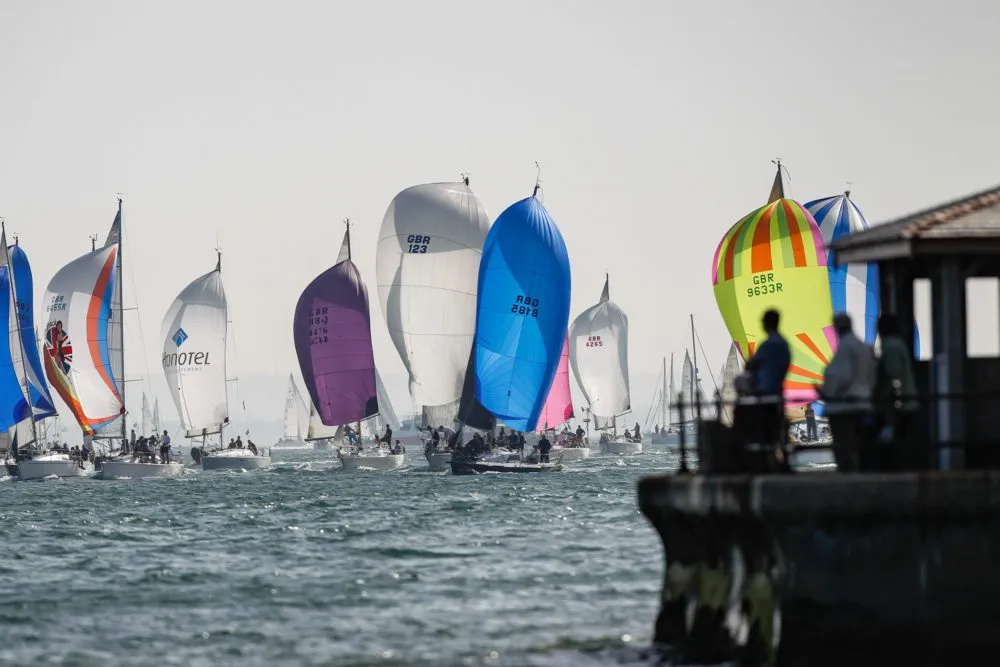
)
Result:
{"points": [[304, 565]]}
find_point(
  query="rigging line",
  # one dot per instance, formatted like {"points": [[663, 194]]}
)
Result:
{"points": [[705, 357], [147, 380]]}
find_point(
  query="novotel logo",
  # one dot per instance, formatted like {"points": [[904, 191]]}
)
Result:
{"points": [[186, 359], [180, 336]]}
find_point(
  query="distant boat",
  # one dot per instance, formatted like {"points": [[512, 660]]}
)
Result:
{"points": [[332, 333], [599, 357], [194, 333], [558, 410], [296, 418]]}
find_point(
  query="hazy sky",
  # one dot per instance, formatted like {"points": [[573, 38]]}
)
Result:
{"points": [[262, 125]]}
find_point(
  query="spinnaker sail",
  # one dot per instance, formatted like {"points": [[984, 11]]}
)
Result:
{"points": [[522, 313], [558, 408], [854, 288], [77, 355], [194, 354], [427, 267], [775, 258], [599, 357], [332, 333]]}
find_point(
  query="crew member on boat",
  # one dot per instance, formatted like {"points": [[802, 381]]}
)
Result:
{"points": [[387, 436], [544, 447], [580, 433], [165, 448]]}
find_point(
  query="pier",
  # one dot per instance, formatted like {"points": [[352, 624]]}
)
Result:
{"points": [[901, 564]]}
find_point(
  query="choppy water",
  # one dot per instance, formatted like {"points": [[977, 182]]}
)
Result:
{"points": [[305, 565]]}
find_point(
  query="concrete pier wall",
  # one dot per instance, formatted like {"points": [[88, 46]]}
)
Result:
{"points": [[780, 568]]}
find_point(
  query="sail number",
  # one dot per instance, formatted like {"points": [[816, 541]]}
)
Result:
{"points": [[418, 243], [318, 320], [763, 283], [525, 305], [594, 341], [57, 303]]}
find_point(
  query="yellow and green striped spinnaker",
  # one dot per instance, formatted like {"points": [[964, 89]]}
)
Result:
{"points": [[775, 258]]}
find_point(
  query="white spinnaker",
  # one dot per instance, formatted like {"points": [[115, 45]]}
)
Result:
{"points": [[194, 355], [73, 295], [427, 269], [598, 355]]}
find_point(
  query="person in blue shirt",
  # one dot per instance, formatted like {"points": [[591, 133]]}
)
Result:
{"points": [[768, 368], [770, 362]]}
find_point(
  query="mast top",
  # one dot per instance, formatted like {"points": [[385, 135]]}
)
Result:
{"points": [[538, 179]]}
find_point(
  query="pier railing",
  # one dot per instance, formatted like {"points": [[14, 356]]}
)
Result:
{"points": [[924, 431]]}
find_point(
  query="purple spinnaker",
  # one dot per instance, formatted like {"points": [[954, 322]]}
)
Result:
{"points": [[332, 332]]}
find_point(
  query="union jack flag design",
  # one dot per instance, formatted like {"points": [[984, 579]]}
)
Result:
{"points": [[59, 347]]}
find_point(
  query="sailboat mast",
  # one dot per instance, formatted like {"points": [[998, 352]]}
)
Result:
{"points": [[347, 223], [12, 300], [663, 395], [121, 317], [694, 355]]}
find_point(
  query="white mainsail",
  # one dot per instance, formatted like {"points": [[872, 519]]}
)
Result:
{"points": [[689, 392], [427, 270], [156, 415], [194, 355], [296, 413], [598, 354], [148, 425], [727, 389]]}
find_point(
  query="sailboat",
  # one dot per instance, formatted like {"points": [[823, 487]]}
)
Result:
{"points": [[558, 410], [599, 357], [114, 461], [24, 396], [665, 433], [194, 363], [427, 266], [333, 342], [296, 417], [522, 314]]}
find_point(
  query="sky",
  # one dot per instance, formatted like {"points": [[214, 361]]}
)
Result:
{"points": [[258, 126]]}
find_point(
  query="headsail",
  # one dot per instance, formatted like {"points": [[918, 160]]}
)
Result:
{"points": [[156, 415], [116, 325], [427, 266], [147, 425], [558, 408], [775, 258], [523, 310], [332, 333], [691, 390], [194, 354], [14, 407], [320, 431], [599, 357], [77, 357]]}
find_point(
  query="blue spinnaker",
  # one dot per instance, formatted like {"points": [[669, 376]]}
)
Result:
{"points": [[522, 313], [13, 406], [38, 389]]}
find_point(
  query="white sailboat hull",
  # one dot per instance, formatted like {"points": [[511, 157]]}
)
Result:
{"points": [[622, 448], [234, 459], [52, 465], [374, 462], [567, 454], [134, 469], [438, 461]]}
